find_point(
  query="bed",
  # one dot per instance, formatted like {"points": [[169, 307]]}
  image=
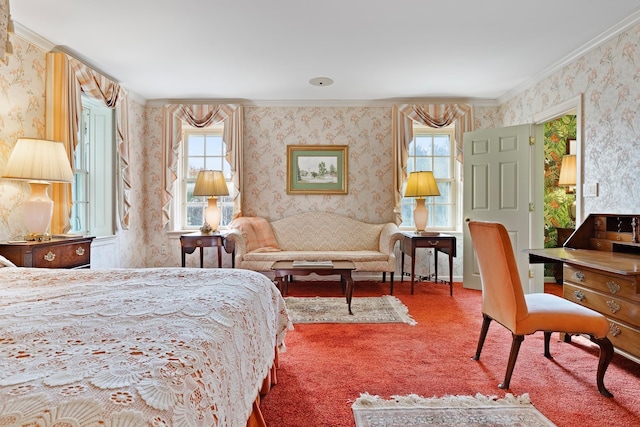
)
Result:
{"points": [[137, 347]]}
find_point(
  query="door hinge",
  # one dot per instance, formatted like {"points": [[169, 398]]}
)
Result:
{"points": [[532, 140], [532, 207]]}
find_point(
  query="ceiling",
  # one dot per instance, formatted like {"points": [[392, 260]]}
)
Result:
{"points": [[259, 50]]}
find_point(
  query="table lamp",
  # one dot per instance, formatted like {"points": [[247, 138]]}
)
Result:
{"points": [[211, 183], [421, 184], [39, 162], [568, 179]]}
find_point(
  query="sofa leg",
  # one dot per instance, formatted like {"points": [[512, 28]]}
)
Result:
{"points": [[384, 276]]}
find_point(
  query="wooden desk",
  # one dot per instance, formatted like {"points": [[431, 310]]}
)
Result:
{"points": [[439, 243], [71, 252], [601, 270], [189, 243], [284, 269]]}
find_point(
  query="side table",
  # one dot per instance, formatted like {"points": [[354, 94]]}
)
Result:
{"points": [[439, 242], [189, 243]]}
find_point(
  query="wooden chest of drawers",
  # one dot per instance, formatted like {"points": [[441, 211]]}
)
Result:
{"points": [[55, 253], [613, 295], [601, 270]]}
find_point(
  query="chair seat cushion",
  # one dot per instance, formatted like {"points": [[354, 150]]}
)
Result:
{"points": [[555, 314]]}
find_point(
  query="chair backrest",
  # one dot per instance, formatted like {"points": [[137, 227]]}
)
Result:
{"points": [[502, 294]]}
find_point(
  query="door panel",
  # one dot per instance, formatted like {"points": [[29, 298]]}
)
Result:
{"points": [[497, 171]]}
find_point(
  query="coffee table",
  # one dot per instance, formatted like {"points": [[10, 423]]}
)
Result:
{"points": [[284, 269]]}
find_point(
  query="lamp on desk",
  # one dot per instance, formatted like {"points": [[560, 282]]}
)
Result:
{"points": [[421, 184], [568, 179], [39, 162], [211, 183]]}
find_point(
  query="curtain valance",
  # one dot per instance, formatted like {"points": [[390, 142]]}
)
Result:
{"points": [[432, 115], [200, 116]]}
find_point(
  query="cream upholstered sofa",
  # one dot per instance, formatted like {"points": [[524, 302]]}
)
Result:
{"points": [[259, 243]]}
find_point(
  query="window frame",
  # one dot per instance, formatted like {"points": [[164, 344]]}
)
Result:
{"points": [[453, 180], [181, 195], [95, 163]]}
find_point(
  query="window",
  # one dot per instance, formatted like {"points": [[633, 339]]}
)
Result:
{"points": [[202, 149], [93, 209], [433, 150]]}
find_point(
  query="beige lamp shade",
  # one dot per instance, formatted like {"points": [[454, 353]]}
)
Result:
{"points": [[211, 183], [421, 184], [568, 171], [40, 162]]}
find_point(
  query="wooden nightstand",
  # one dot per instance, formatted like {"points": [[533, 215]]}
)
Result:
{"points": [[189, 243], [438, 242], [72, 252]]}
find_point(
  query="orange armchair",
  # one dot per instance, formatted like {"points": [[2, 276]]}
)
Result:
{"points": [[504, 301]]}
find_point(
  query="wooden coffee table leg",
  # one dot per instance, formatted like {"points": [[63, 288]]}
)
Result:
{"points": [[349, 291]]}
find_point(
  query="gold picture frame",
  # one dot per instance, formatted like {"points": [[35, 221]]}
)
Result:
{"points": [[317, 169]]}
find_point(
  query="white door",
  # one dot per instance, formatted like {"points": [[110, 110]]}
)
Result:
{"points": [[497, 177]]}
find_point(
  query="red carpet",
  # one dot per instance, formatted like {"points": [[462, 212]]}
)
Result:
{"points": [[327, 366]]}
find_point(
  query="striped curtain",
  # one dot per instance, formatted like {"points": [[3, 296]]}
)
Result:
{"points": [[200, 116], [432, 115], [66, 79]]}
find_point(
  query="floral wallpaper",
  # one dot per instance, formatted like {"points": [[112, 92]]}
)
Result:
{"points": [[609, 79], [367, 133], [557, 201]]}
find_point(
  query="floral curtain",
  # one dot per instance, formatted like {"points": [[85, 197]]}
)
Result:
{"points": [[5, 28], [201, 116], [66, 79], [432, 115]]}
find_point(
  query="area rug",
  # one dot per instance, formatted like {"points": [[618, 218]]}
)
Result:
{"points": [[468, 411], [384, 309]]}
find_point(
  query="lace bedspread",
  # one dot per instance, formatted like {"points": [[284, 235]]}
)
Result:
{"points": [[135, 347]]}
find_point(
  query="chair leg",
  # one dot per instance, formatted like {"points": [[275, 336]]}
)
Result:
{"points": [[606, 354], [486, 320], [547, 339], [515, 348], [391, 283]]}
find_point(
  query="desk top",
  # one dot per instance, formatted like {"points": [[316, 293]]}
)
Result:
{"points": [[614, 262]]}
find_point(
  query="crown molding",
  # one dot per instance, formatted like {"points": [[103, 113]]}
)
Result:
{"points": [[35, 39], [605, 36]]}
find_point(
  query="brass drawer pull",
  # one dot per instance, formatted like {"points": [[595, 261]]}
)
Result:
{"points": [[434, 242], [579, 276], [80, 251], [579, 295], [50, 256], [613, 306], [614, 329], [613, 286]]}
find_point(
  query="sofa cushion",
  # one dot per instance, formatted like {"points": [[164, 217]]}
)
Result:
{"points": [[355, 256], [324, 231], [257, 233]]}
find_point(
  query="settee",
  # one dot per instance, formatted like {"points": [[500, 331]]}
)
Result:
{"points": [[258, 243]]}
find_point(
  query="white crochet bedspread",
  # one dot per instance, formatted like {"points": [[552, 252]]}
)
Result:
{"points": [[135, 347]]}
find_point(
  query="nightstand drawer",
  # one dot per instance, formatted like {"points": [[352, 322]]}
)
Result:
{"points": [[62, 256], [55, 253]]}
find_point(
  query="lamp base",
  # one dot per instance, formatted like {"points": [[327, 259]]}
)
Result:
{"points": [[37, 237]]}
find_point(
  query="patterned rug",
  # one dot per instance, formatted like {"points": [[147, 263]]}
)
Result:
{"points": [[385, 309], [468, 411]]}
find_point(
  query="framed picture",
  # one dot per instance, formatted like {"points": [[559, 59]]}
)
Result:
{"points": [[317, 169]]}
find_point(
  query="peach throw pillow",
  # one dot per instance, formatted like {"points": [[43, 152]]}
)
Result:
{"points": [[257, 233]]}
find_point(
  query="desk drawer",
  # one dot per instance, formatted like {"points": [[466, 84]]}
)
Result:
{"points": [[619, 286], [612, 307], [62, 256], [625, 338]]}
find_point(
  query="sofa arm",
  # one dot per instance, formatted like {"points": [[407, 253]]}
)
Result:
{"points": [[388, 237], [234, 242]]}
